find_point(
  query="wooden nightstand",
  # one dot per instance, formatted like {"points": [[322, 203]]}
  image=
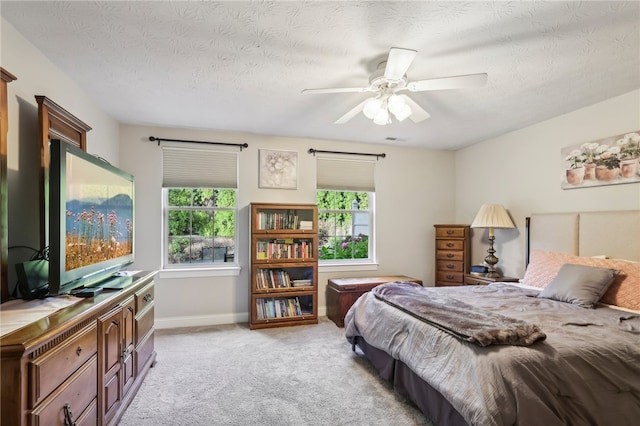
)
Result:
{"points": [[479, 280]]}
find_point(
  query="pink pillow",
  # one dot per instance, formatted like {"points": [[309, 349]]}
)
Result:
{"points": [[624, 291]]}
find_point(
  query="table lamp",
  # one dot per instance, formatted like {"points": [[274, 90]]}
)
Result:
{"points": [[492, 216]]}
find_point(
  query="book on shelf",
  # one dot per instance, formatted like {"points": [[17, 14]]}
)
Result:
{"points": [[277, 220], [283, 249], [306, 225], [301, 283], [278, 308]]}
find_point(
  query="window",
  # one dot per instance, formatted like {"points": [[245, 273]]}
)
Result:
{"points": [[200, 208], [344, 225], [201, 226], [345, 197]]}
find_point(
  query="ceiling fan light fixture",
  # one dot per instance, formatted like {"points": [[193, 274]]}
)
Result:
{"points": [[403, 113], [382, 117], [372, 107], [396, 104]]}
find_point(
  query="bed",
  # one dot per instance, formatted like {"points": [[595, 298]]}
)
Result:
{"points": [[568, 347]]}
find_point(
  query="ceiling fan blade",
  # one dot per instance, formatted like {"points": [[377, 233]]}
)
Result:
{"points": [[417, 112], [444, 83], [336, 90], [398, 62], [352, 113]]}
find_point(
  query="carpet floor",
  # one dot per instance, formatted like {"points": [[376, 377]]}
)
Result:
{"points": [[230, 375]]}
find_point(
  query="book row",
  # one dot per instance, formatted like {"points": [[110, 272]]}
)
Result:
{"points": [[281, 220], [278, 308], [275, 278], [284, 249]]}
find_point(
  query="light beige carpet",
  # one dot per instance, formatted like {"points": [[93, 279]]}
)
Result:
{"points": [[230, 375]]}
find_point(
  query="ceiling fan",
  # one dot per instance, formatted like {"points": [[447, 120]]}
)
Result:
{"points": [[391, 78]]}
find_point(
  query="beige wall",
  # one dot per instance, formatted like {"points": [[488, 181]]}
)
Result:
{"points": [[414, 190], [522, 171]]}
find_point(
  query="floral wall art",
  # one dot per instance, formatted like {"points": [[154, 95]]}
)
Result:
{"points": [[278, 169], [608, 161]]}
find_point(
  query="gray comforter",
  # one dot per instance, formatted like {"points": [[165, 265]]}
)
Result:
{"points": [[586, 372], [475, 325]]}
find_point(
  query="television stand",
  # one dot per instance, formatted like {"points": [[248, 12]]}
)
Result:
{"points": [[86, 361]]}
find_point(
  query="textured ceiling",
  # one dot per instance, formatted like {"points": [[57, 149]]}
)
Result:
{"points": [[240, 66]]}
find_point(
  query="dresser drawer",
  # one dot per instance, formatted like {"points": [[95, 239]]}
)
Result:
{"points": [[143, 352], [450, 277], [444, 232], [144, 323], [449, 255], [144, 297], [450, 245], [48, 371], [448, 265], [79, 392]]}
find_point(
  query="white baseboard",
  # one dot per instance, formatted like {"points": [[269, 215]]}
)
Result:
{"points": [[203, 320]]}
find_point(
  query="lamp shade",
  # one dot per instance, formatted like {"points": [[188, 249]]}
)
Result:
{"points": [[492, 216]]}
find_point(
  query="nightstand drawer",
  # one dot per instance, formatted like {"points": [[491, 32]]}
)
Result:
{"points": [[470, 279], [448, 265]]}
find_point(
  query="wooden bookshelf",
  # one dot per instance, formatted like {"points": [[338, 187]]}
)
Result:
{"points": [[284, 265]]}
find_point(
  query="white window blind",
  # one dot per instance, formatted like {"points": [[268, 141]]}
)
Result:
{"points": [[199, 168], [345, 174]]}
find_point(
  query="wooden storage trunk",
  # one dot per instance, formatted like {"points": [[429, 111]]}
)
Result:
{"points": [[343, 292]]}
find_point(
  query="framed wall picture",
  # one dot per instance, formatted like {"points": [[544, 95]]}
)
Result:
{"points": [[278, 169], [609, 161]]}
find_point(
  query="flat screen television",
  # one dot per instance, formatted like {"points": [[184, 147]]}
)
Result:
{"points": [[91, 218]]}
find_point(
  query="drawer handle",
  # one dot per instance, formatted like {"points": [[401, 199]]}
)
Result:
{"points": [[449, 255], [450, 276], [449, 244], [450, 266], [449, 231], [68, 416], [78, 350], [147, 297]]}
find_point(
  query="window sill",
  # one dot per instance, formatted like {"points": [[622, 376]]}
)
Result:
{"points": [[346, 267], [200, 272]]}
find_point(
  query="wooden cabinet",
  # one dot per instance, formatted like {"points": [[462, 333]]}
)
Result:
{"points": [[284, 265], [82, 364], [5, 77], [342, 293], [453, 254]]}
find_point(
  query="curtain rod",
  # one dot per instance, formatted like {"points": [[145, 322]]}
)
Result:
{"points": [[314, 151], [241, 145]]}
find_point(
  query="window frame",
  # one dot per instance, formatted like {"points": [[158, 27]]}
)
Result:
{"points": [[190, 270], [370, 262]]}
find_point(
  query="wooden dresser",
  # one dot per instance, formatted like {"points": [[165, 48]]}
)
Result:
{"points": [[453, 254], [83, 364]]}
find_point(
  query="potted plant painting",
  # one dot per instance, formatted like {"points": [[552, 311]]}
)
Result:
{"points": [[590, 150], [608, 163], [575, 172], [629, 155]]}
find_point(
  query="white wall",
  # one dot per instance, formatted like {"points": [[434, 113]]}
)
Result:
{"points": [[414, 190], [36, 75], [522, 171]]}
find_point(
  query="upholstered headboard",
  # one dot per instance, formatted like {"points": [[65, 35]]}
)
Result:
{"points": [[609, 233]]}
